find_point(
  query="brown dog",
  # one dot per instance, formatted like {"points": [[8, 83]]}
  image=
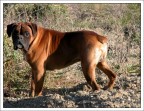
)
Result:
{"points": [[46, 49]]}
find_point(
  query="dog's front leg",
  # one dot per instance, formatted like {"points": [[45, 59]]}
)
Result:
{"points": [[37, 82], [32, 85]]}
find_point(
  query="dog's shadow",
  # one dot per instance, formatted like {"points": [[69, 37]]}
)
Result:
{"points": [[75, 97]]}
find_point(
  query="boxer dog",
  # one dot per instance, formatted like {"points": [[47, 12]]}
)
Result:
{"points": [[46, 49]]}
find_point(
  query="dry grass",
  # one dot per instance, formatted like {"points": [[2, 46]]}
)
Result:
{"points": [[119, 22]]}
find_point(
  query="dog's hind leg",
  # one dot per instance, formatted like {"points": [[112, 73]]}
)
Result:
{"points": [[111, 75], [88, 63], [89, 73]]}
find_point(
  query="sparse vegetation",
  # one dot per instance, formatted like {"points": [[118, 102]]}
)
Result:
{"points": [[121, 23]]}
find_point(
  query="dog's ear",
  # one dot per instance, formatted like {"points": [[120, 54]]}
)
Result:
{"points": [[33, 28], [10, 28]]}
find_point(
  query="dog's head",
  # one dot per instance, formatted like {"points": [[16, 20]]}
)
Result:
{"points": [[22, 34]]}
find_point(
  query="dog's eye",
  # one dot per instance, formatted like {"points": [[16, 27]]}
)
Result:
{"points": [[26, 34]]}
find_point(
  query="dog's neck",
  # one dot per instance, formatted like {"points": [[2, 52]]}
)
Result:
{"points": [[50, 40]]}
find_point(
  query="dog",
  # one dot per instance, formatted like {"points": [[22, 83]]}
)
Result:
{"points": [[46, 49]]}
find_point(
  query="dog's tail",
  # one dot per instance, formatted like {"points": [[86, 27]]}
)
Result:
{"points": [[102, 39]]}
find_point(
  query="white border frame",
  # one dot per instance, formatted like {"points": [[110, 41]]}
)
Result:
{"points": [[74, 1]]}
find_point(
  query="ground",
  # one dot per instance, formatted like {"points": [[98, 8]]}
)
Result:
{"points": [[68, 89]]}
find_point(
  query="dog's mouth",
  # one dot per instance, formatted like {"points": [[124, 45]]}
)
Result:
{"points": [[18, 46]]}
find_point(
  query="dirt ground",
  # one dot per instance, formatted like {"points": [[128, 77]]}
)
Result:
{"points": [[68, 89]]}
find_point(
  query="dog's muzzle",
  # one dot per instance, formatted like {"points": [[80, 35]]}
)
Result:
{"points": [[18, 45]]}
